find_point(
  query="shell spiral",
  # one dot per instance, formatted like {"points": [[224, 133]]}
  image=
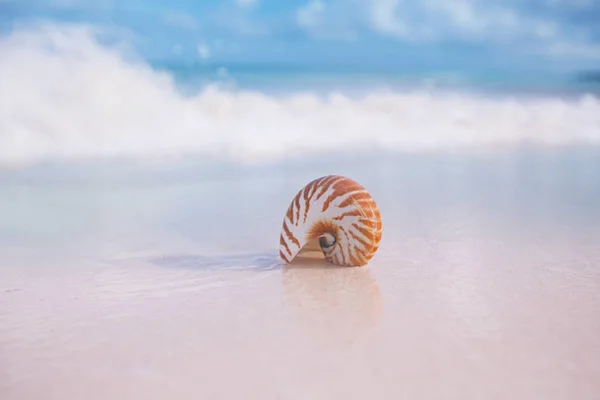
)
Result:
{"points": [[341, 214]]}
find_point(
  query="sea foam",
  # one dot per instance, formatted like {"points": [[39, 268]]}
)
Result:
{"points": [[67, 96]]}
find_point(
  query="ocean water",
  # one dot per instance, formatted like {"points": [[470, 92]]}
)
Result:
{"points": [[71, 98], [280, 79], [141, 206]]}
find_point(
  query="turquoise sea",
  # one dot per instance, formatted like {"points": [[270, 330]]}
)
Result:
{"points": [[280, 78]]}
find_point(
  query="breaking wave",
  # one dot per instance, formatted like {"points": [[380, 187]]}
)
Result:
{"points": [[67, 96]]}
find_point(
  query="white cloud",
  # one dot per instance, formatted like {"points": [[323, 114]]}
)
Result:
{"points": [[578, 50], [329, 20], [310, 14], [383, 18], [431, 21], [203, 51], [467, 17], [545, 29], [471, 20]]}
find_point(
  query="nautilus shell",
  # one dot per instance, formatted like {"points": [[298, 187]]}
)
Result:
{"points": [[338, 212]]}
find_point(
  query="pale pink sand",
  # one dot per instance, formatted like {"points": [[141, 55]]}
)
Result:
{"points": [[472, 322], [469, 297]]}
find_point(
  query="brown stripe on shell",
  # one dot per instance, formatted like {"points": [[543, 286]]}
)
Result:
{"points": [[325, 184], [314, 185], [290, 214], [308, 193], [362, 198], [283, 256], [366, 232], [339, 189], [283, 243], [359, 239], [353, 213], [349, 247], [290, 235], [297, 204]]}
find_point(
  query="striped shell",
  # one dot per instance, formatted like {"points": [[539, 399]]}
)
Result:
{"points": [[338, 212]]}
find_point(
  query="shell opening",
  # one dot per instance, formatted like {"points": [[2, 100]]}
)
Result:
{"points": [[327, 240]]}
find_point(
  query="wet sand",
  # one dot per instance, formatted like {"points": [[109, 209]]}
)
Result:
{"points": [[486, 285]]}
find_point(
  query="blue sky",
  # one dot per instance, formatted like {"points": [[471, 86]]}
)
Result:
{"points": [[533, 34]]}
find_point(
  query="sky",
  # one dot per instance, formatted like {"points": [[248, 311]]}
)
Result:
{"points": [[519, 34]]}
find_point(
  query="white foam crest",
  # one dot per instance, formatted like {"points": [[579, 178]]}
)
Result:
{"points": [[65, 96]]}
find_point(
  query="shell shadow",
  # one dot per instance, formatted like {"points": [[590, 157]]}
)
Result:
{"points": [[336, 303], [245, 261]]}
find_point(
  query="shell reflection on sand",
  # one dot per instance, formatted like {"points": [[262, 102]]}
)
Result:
{"points": [[336, 303]]}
